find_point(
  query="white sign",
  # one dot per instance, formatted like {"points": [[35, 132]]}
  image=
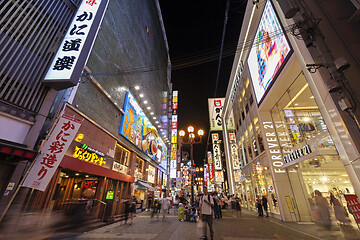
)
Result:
{"points": [[76, 45], [173, 164], [219, 176], [52, 153], [151, 174], [234, 152], [216, 152], [215, 109]]}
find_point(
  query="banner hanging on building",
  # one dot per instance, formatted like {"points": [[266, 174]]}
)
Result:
{"points": [[219, 176], [52, 153], [215, 110], [174, 120], [216, 151], [234, 151], [76, 46]]}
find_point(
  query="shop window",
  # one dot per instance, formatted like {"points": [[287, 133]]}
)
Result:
{"points": [[247, 108], [251, 100], [122, 155]]}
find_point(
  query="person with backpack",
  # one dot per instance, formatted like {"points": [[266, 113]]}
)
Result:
{"points": [[216, 206], [206, 211]]}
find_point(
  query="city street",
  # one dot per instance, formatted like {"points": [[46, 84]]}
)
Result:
{"points": [[248, 226]]}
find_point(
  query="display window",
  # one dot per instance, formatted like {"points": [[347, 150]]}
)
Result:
{"points": [[122, 156], [307, 145]]}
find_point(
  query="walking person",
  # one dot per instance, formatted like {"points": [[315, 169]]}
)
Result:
{"points": [[206, 204], [155, 210], [259, 207], [322, 209], [339, 210], [233, 205], [176, 202], [165, 203], [265, 205], [132, 209], [238, 206], [216, 206], [126, 209]]}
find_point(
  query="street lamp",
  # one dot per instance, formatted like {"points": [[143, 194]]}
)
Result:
{"points": [[191, 140]]}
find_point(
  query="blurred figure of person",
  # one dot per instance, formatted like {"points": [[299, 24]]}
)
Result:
{"points": [[322, 209], [181, 212], [206, 204], [217, 206], [155, 210], [259, 207], [238, 206], [340, 212], [149, 200], [233, 205], [165, 204], [126, 209], [132, 209], [273, 199], [176, 202], [265, 205]]}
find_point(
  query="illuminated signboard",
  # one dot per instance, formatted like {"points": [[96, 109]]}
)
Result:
{"points": [[110, 195], [216, 151], [234, 152], [74, 50], [137, 128], [90, 183], [174, 121], [215, 110], [151, 174], [270, 51]]}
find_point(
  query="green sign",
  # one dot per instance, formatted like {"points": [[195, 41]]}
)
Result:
{"points": [[110, 195]]}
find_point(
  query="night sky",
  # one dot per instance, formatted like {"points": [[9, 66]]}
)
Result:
{"points": [[194, 31]]}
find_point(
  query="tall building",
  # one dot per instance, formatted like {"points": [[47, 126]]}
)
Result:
{"points": [[292, 93], [122, 101]]}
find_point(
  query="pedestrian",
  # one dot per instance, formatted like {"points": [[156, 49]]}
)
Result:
{"points": [[126, 209], [340, 212], [322, 211], [132, 209], [176, 202], [259, 207], [265, 205], [233, 205], [181, 212], [155, 209], [165, 203], [206, 204], [216, 207], [238, 206], [149, 202]]}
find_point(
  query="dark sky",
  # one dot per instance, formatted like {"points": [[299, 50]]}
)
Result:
{"points": [[194, 31]]}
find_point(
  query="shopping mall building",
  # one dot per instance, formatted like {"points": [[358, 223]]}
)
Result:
{"points": [[290, 93]]}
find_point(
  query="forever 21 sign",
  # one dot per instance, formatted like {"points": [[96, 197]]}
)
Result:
{"points": [[297, 154]]}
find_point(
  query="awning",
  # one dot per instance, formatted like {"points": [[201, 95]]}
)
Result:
{"points": [[144, 186]]}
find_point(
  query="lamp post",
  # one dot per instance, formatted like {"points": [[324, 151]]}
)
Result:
{"points": [[191, 140]]}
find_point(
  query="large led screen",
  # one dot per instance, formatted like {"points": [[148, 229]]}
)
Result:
{"points": [[137, 128], [270, 49]]}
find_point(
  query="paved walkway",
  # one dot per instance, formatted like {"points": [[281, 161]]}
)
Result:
{"points": [[246, 227]]}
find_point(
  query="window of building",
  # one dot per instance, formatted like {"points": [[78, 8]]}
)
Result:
{"points": [[122, 155]]}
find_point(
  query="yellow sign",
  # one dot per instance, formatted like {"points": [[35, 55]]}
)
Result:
{"points": [[84, 155], [289, 203]]}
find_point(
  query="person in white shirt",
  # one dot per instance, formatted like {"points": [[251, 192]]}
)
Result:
{"points": [[165, 203], [206, 203]]}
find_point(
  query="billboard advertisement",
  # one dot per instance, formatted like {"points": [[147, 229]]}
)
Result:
{"points": [[269, 52], [174, 120], [137, 128]]}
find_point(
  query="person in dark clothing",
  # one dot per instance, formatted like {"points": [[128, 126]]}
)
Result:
{"points": [[127, 210], [132, 209], [259, 207], [265, 205]]}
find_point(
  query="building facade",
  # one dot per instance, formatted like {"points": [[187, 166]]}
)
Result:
{"points": [[295, 116], [122, 97]]}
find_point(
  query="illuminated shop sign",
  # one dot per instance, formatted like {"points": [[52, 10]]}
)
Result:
{"points": [[110, 195], [174, 121], [234, 151], [74, 50], [269, 52], [211, 173], [87, 155], [219, 176], [216, 151], [239, 71], [90, 183], [215, 109], [137, 128], [151, 174], [298, 153]]}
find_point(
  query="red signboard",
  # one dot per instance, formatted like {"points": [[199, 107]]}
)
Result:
{"points": [[354, 206], [215, 136], [211, 172]]}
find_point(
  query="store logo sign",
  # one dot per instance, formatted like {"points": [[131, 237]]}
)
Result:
{"points": [[298, 153]]}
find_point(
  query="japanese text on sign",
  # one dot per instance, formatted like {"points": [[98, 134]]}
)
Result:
{"points": [[216, 152], [215, 111], [52, 153]]}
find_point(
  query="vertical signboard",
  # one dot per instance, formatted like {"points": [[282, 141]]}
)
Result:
{"points": [[219, 176], [216, 151], [174, 120], [215, 110], [52, 153], [76, 46], [234, 151]]}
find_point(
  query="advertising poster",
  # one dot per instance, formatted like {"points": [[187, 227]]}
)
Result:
{"points": [[354, 205], [151, 174], [269, 50], [137, 128], [219, 176]]}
